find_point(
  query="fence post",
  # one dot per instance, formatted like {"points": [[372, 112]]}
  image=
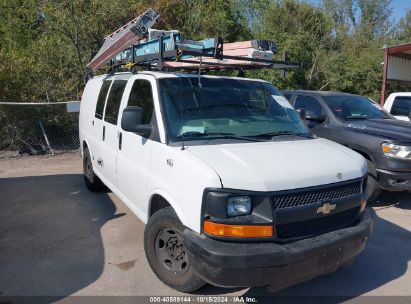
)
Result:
{"points": [[45, 137]]}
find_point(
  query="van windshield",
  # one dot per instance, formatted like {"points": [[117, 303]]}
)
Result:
{"points": [[218, 107]]}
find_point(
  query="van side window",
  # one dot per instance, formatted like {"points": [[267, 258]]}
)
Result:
{"points": [[114, 100], [141, 95], [102, 99], [401, 106], [310, 104]]}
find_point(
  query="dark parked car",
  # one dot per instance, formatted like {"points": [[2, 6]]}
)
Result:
{"points": [[362, 125]]}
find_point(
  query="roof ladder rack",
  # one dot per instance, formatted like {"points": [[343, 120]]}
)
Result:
{"points": [[135, 44]]}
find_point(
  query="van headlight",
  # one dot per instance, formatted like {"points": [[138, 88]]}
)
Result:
{"points": [[396, 151], [237, 214], [238, 205]]}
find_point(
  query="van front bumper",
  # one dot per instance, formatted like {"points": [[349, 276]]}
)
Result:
{"points": [[233, 264]]}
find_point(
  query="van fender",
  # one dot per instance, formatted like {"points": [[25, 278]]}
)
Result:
{"points": [[95, 167], [88, 147], [170, 200]]}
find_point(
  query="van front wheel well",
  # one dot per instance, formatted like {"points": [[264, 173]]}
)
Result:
{"points": [[158, 202]]}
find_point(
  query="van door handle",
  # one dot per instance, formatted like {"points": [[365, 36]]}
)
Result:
{"points": [[100, 161], [120, 139], [104, 132]]}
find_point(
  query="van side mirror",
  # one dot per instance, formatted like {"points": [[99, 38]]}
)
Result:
{"points": [[131, 121]]}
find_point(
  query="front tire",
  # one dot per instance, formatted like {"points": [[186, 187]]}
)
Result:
{"points": [[93, 183], [373, 189], [165, 251]]}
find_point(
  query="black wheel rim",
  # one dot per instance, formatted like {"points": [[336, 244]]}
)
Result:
{"points": [[170, 251]]}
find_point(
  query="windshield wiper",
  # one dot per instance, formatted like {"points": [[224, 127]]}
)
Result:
{"points": [[281, 133], [224, 135], [201, 134]]}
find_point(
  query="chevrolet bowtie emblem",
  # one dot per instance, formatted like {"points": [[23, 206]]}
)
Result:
{"points": [[326, 208]]}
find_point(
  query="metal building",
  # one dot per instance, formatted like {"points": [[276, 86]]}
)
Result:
{"points": [[397, 66]]}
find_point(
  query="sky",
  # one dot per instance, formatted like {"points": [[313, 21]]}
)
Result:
{"points": [[399, 7]]}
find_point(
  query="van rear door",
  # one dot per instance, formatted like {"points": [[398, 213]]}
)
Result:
{"points": [[107, 161], [97, 131]]}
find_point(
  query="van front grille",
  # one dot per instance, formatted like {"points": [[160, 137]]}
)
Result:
{"points": [[313, 196], [318, 225]]}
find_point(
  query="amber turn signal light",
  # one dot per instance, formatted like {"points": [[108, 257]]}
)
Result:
{"points": [[237, 230]]}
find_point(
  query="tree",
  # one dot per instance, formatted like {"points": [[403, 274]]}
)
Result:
{"points": [[361, 29], [404, 28], [46, 45], [372, 18], [300, 29], [199, 19]]}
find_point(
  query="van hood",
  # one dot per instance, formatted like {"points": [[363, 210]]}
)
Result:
{"points": [[274, 166], [390, 128]]}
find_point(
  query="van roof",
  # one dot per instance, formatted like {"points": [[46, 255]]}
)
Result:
{"points": [[160, 75]]}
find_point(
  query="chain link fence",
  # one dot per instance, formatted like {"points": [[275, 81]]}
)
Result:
{"points": [[38, 129]]}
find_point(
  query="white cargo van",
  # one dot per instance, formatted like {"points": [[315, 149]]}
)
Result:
{"points": [[233, 189]]}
